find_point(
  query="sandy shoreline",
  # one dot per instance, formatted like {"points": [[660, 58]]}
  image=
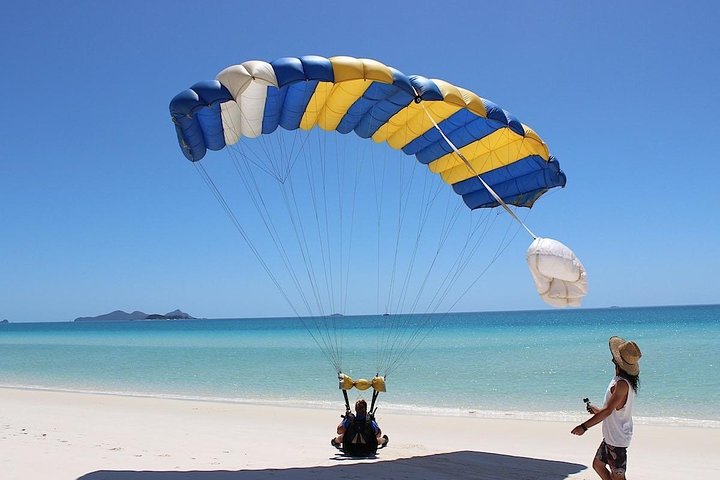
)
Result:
{"points": [[59, 435]]}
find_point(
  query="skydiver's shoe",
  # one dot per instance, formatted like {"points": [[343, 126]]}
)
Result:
{"points": [[335, 444], [385, 443]]}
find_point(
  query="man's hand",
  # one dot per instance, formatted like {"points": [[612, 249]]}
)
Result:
{"points": [[579, 430], [592, 408]]}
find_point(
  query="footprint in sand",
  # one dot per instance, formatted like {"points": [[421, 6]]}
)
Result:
{"points": [[115, 449]]}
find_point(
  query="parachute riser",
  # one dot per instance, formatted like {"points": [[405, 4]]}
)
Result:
{"points": [[347, 403], [347, 383], [372, 403]]}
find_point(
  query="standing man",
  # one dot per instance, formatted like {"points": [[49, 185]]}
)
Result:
{"points": [[616, 414]]}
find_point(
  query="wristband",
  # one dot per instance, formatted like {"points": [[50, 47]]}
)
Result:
{"points": [[585, 429]]}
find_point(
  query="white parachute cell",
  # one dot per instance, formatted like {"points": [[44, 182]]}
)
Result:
{"points": [[560, 278], [247, 83]]}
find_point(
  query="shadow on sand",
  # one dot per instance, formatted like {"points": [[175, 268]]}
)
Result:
{"points": [[444, 466]]}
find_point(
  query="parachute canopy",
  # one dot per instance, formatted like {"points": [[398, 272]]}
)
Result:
{"points": [[375, 101], [327, 229]]}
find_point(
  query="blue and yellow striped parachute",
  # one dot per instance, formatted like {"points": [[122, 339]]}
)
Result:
{"points": [[375, 101]]}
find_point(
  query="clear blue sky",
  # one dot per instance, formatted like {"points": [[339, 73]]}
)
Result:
{"points": [[99, 209]]}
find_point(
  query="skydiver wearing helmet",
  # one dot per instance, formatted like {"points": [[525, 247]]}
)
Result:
{"points": [[359, 434]]}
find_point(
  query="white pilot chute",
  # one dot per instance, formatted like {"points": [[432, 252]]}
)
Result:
{"points": [[559, 276]]}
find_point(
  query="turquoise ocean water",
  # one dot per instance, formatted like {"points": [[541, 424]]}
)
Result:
{"points": [[501, 364]]}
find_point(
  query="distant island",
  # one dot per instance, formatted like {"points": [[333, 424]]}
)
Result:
{"points": [[122, 316], [4, 321]]}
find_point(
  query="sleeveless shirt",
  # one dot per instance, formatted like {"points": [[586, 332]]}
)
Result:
{"points": [[617, 429]]}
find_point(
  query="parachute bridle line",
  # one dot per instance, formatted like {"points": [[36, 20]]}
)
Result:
{"points": [[457, 152]]}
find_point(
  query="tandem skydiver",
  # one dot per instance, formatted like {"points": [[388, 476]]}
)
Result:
{"points": [[359, 434]]}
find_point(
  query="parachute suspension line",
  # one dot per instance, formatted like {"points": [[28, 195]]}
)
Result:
{"points": [[444, 234], [426, 203], [422, 331], [337, 347], [358, 168], [332, 319], [472, 169], [233, 218], [396, 329], [378, 211], [402, 209], [328, 244], [401, 349], [424, 208], [303, 243], [459, 266], [390, 331], [290, 202], [398, 341], [417, 341], [310, 175], [226, 207], [379, 190], [410, 327], [287, 192], [283, 165], [388, 298], [318, 334], [340, 180], [395, 343], [406, 182], [250, 182], [445, 230], [281, 174]]}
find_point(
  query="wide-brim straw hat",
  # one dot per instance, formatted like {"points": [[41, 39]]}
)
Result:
{"points": [[626, 354]]}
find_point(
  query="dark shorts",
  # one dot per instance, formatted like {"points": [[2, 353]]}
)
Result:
{"points": [[614, 457]]}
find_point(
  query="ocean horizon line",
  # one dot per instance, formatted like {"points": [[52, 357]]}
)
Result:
{"points": [[286, 317]]}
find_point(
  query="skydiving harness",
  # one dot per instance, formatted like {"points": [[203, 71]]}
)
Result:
{"points": [[360, 438]]}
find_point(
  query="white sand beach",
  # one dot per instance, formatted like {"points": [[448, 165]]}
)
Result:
{"points": [[60, 435]]}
